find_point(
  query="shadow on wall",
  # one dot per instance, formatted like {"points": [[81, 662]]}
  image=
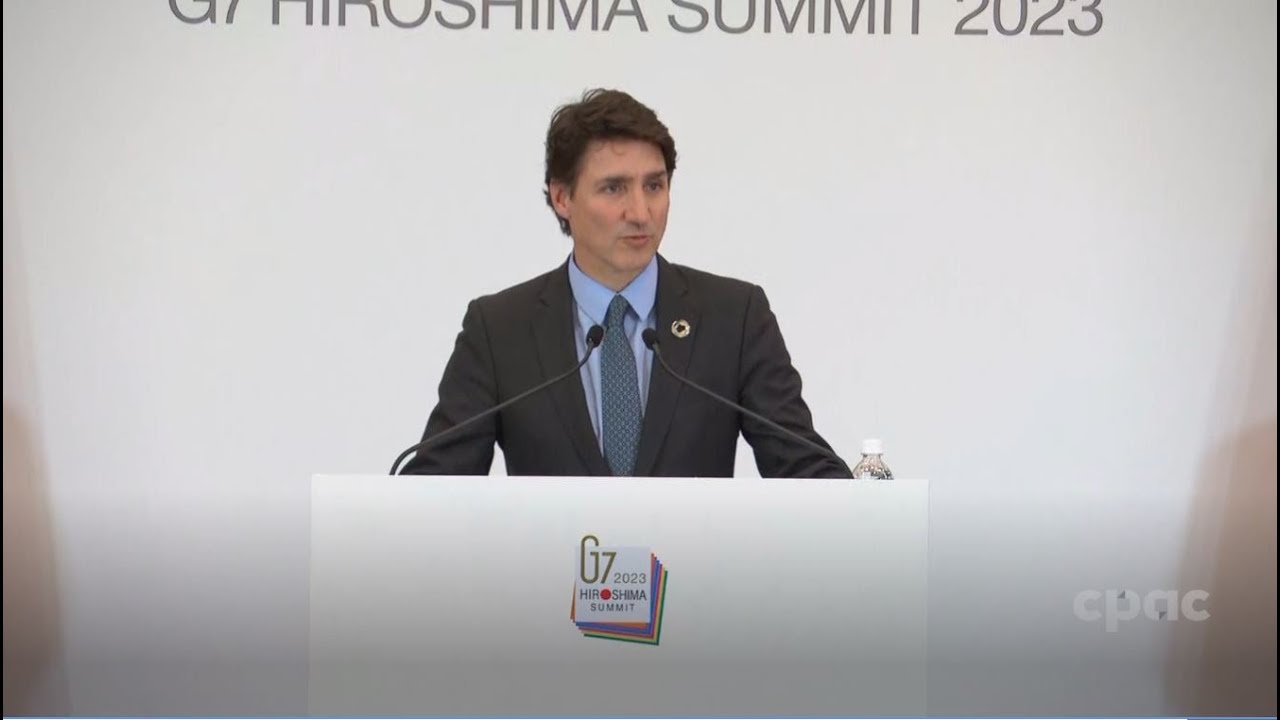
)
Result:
{"points": [[35, 680], [1226, 665]]}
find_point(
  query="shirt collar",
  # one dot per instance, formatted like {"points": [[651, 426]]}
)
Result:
{"points": [[594, 298]]}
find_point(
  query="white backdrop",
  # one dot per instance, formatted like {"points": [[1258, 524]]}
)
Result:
{"points": [[237, 254]]}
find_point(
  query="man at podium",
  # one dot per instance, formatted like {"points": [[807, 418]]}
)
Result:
{"points": [[616, 408]]}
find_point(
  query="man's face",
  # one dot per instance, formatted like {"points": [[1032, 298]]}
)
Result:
{"points": [[617, 212]]}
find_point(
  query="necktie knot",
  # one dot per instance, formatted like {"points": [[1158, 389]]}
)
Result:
{"points": [[617, 311]]}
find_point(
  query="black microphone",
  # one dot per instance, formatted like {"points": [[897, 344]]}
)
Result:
{"points": [[594, 337], [650, 337]]}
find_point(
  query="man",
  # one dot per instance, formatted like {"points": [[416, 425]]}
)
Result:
{"points": [[609, 162]]}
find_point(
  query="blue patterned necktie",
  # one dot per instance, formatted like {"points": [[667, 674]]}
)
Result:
{"points": [[619, 391]]}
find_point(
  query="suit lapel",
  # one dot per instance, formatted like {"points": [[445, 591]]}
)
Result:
{"points": [[553, 334], [673, 303]]}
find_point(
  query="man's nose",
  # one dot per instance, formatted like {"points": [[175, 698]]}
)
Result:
{"points": [[637, 208]]}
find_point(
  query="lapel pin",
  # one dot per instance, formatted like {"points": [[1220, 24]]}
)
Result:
{"points": [[681, 328]]}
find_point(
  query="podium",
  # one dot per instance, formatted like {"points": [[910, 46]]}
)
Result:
{"points": [[452, 596]]}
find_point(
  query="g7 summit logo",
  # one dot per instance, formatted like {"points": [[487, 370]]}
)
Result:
{"points": [[618, 592]]}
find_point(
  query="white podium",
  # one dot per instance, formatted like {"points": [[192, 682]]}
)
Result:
{"points": [[451, 596]]}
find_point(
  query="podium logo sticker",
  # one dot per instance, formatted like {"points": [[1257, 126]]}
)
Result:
{"points": [[618, 592]]}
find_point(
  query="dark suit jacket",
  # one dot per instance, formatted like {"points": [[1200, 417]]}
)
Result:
{"points": [[522, 336]]}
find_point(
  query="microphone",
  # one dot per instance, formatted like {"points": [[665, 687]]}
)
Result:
{"points": [[594, 337], [650, 337]]}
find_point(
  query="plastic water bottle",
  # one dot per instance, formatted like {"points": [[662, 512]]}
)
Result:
{"points": [[871, 466]]}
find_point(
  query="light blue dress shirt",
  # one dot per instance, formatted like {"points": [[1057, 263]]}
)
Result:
{"points": [[591, 299]]}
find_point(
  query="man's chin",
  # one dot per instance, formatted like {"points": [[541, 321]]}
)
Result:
{"points": [[635, 260]]}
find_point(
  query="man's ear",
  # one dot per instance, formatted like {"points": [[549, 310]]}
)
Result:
{"points": [[561, 197]]}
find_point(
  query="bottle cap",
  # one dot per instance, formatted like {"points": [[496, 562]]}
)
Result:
{"points": [[872, 446]]}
